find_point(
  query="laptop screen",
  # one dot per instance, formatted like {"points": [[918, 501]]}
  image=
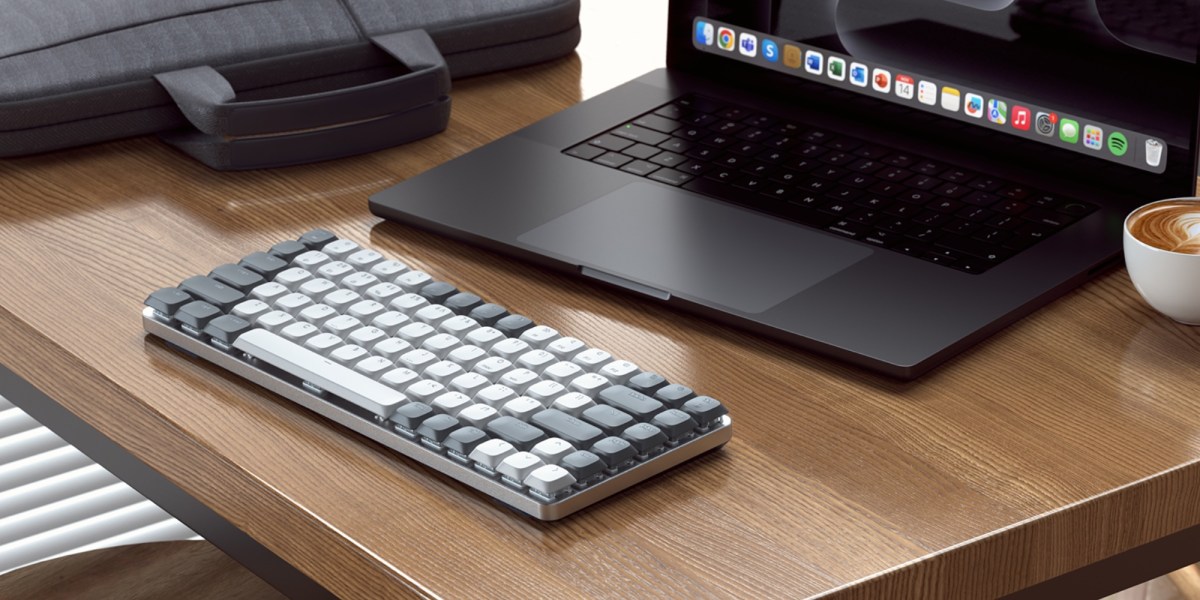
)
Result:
{"points": [[1111, 82]]}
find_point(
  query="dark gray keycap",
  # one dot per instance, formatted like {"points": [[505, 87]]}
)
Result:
{"points": [[704, 409], [288, 250], [238, 278], [197, 314], [647, 382], [437, 428], [168, 301], [227, 328], [610, 420], [640, 167], [462, 303], [631, 401], [575, 431], [644, 437], [670, 177], [212, 292], [265, 264], [586, 151], [465, 439], [438, 291], [674, 395], [488, 314], [317, 239], [641, 134], [614, 451], [514, 325], [614, 160], [641, 151], [583, 465], [611, 143], [411, 415], [520, 434], [675, 423]]}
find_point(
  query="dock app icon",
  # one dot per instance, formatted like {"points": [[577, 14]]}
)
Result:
{"points": [[793, 56], [951, 99], [726, 39], [705, 33], [748, 45]]}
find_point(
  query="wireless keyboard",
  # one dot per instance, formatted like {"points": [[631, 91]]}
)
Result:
{"points": [[535, 419]]}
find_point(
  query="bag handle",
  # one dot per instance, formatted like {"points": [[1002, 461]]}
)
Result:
{"points": [[209, 103]]}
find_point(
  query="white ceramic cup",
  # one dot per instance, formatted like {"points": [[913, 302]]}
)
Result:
{"points": [[1169, 281]]}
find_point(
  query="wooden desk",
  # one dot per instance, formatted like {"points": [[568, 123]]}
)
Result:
{"points": [[1067, 439]]}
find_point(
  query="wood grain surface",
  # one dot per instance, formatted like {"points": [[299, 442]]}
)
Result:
{"points": [[1067, 438]]}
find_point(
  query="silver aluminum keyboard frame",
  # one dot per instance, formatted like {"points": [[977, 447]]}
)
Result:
{"points": [[381, 432]]}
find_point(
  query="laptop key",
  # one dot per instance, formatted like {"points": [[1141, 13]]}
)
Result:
{"points": [[671, 177], [657, 123], [614, 160], [669, 159], [640, 168], [676, 145], [641, 134], [611, 143], [641, 151]]}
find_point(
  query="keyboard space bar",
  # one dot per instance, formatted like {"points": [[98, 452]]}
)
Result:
{"points": [[320, 371]]}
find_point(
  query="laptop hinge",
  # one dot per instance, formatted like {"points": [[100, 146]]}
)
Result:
{"points": [[632, 286]]}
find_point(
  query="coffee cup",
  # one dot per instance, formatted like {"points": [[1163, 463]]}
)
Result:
{"points": [[1162, 253]]}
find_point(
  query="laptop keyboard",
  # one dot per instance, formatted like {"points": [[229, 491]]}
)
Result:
{"points": [[880, 196]]}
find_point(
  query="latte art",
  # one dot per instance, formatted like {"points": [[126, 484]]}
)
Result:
{"points": [[1171, 226]]}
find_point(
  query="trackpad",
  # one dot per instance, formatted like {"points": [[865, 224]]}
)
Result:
{"points": [[694, 247]]}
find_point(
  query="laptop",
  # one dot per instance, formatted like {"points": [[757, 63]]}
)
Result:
{"points": [[886, 182]]}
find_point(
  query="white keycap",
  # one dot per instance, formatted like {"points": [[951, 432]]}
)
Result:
{"points": [[335, 271], [384, 292], [518, 466], [443, 371], [340, 249], [416, 333], [495, 395], [492, 452], [366, 310], [592, 359], [484, 337], [360, 282], [363, 260], [341, 300], [274, 321], [318, 314], [373, 366], [299, 332], [619, 372], [324, 343], [441, 344], [293, 278], [348, 355], [550, 480], [566, 348], [589, 384], [425, 390], [293, 303], [540, 336], [400, 378], [519, 379], [493, 367], [311, 367], [522, 407], [312, 260], [536, 360], [390, 321], [451, 403], [573, 403], [389, 270], [408, 304], [392, 348], [546, 391], [433, 314], [413, 281], [342, 326], [467, 356], [552, 450], [251, 310], [478, 415], [562, 372], [469, 383], [510, 348], [317, 288], [418, 360], [367, 337], [459, 325], [270, 292]]}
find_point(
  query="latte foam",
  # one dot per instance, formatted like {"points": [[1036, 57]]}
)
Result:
{"points": [[1172, 226]]}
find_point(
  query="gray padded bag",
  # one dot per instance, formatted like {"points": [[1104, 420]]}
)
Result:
{"points": [[245, 84]]}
